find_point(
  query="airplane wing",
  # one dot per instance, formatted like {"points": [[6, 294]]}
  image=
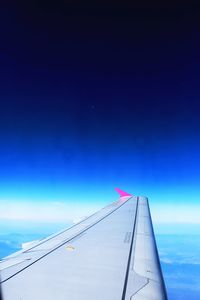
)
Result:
{"points": [[110, 255]]}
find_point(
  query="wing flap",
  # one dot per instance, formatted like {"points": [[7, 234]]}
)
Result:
{"points": [[145, 272]]}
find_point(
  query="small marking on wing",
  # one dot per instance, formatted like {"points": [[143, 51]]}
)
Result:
{"points": [[127, 237], [70, 248]]}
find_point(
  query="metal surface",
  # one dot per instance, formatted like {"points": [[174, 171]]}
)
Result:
{"points": [[110, 255]]}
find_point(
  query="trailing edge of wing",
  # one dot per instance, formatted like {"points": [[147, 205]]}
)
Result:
{"points": [[144, 279]]}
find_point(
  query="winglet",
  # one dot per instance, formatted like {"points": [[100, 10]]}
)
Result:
{"points": [[122, 193]]}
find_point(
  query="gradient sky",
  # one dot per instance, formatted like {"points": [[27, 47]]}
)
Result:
{"points": [[98, 96]]}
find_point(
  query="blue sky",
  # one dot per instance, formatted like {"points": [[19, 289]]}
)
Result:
{"points": [[98, 100], [49, 176], [95, 97]]}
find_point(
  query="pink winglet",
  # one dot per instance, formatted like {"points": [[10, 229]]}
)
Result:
{"points": [[122, 193]]}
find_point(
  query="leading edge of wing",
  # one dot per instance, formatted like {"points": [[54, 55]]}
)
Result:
{"points": [[37, 250]]}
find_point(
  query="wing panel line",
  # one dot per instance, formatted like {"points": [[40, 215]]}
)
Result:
{"points": [[130, 253]]}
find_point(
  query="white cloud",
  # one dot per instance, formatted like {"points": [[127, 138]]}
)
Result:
{"points": [[175, 213], [166, 261], [73, 211], [46, 212]]}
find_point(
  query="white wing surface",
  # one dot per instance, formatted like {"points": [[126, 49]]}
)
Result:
{"points": [[110, 255]]}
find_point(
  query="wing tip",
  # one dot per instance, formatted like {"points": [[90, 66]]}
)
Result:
{"points": [[122, 193]]}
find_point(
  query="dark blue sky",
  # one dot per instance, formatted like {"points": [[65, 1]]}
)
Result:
{"points": [[98, 96]]}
